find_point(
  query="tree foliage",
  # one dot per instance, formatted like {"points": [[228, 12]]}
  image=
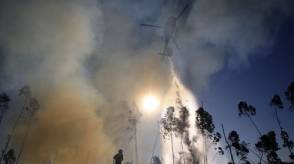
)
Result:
{"points": [[246, 109], [267, 144], [287, 143], [168, 122], [204, 122], [4, 101], [290, 95], [277, 102], [240, 147]]}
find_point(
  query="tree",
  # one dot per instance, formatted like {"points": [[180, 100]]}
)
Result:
{"points": [[240, 148], [168, 126], [133, 118], [32, 106], [268, 145], [290, 95], [228, 146], [287, 143], [277, 104], [204, 122], [182, 124], [4, 101], [248, 111]]}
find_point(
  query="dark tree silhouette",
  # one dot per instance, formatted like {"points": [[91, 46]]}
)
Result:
{"points": [[9, 157], [182, 127], [228, 146], [182, 124], [290, 95], [268, 145], [168, 126], [133, 119], [276, 104], [204, 122], [240, 148], [4, 101], [287, 143], [31, 106], [248, 111]]}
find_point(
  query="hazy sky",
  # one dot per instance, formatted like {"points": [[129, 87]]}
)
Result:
{"points": [[85, 59]]}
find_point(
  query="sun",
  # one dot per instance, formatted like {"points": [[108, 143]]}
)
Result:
{"points": [[150, 103]]}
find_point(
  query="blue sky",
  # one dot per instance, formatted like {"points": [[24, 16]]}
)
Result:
{"points": [[256, 84]]}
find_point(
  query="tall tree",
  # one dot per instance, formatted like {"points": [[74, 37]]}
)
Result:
{"points": [[204, 122], [182, 123], [228, 146], [32, 106], [240, 147], [133, 119], [277, 104], [290, 95], [168, 127], [267, 144], [248, 111]]}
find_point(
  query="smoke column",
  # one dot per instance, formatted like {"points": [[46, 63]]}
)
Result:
{"points": [[85, 59]]}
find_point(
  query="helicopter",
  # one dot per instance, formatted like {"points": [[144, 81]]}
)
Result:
{"points": [[169, 28]]}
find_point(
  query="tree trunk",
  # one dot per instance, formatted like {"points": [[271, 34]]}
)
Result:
{"points": [[24, 140], [280, 126], [205, 149], [172, 145], [255, 126], [11, 134], [136, 144], [229, 146], [183, 149], [278, 119]]}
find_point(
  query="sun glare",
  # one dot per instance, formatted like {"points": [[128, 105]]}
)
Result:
{"points": [[150, 103]]}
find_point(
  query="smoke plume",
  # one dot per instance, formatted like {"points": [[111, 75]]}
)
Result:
{"points": [[84, 59]]}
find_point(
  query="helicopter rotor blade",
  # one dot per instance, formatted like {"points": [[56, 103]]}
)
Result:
{"points": [[182, 12], [150, 25]]}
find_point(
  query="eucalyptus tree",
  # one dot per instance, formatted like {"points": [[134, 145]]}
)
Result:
{"points": [[182, 124], [204, 123], [168, 126], [290, 95], [277, 104], [4, 101], [133, 119], [248, 111], [267, 144], [31, 106], [240, 147], [229, 146]]}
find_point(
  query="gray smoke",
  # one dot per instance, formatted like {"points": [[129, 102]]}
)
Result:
{"points": [[84, 59]]}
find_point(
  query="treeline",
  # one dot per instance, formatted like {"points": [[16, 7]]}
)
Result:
{"points": [[175, 123], [9, 153]]}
